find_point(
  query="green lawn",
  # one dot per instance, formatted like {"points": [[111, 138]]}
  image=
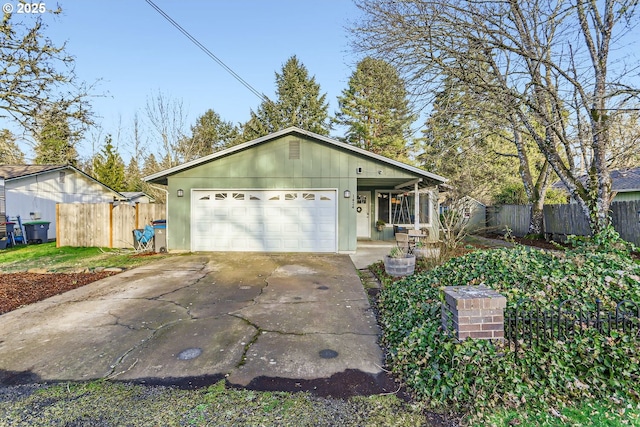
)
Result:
{"points": [[47, 256]]}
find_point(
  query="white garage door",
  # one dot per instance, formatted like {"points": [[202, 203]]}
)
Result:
{"points": [[264, 220]]}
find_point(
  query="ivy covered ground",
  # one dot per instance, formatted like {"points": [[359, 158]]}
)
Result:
{"points": [[477, 377]]}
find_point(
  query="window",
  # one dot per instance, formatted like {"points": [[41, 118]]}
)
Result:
{"points": [[399, 208], [220, 196]]}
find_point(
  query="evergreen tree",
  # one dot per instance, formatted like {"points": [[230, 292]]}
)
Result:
{"points": [[108, 166], [55, 140], [298, 103], [208, 135], [10, 153], [376, 111], [151, 165], [133, 177], [478, 160]]}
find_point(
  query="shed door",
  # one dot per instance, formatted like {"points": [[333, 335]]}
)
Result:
{"points": [[264, 220]]}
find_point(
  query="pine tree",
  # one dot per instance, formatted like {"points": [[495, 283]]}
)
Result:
{"points": [[298, 103], [376, 111], [55, 140], [108, 166], [10, 153], [133, 177], [208, 135], [151, 165]]}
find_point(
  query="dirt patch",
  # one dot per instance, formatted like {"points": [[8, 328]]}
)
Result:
{"points": [[19, 289]]}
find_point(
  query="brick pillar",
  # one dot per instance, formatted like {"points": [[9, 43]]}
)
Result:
{"points": [[474, 312]]}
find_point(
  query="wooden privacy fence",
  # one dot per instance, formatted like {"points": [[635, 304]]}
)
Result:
{"points": [[563, 220], [103, 224], [514, 217]]}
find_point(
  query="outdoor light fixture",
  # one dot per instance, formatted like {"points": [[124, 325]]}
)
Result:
{"points": [[180, 192], [638, 216], [347, 194]]}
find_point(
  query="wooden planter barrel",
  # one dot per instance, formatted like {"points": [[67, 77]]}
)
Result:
{"points": [[400, 266]]}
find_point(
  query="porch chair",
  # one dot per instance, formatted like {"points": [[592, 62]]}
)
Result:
{"points": [[402, 240], [143, 239]]}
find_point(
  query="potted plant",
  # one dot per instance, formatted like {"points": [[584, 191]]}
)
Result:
{"points": [[380, 225], [398, 263]]}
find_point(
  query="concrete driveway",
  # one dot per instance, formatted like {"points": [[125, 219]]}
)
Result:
{"points": [[194, 319]]}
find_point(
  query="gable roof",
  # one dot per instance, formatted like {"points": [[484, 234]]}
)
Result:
{"points": [[9, 172], [17, 172], [131, 195], [622, 180], [161, 177]]}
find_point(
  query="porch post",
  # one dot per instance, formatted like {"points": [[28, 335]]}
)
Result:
{"points": [[416, 209]]}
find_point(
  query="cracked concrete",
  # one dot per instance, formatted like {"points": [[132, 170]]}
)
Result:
{"points": [[241, 316]]}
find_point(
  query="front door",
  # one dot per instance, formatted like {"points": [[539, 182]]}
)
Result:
{"points": [[362, 213]]}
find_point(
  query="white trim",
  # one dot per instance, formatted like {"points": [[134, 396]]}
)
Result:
{"points": [[416, 225]]}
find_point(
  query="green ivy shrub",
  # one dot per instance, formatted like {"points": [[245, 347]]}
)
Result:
{"points": [[475, 375]]}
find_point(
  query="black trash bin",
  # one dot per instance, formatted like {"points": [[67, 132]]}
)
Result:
{"points": [[36, 231], [159, 235]]}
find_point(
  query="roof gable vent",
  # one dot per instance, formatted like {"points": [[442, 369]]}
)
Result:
{"points": [[294, 149]]}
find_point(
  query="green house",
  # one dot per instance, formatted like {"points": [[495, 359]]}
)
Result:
{"points": [[294, 191]]}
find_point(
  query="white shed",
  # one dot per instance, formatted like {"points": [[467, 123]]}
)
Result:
{"points": [[32, 191]]}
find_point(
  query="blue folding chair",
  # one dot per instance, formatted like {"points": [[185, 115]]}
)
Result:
{"points": [[144, 239]]}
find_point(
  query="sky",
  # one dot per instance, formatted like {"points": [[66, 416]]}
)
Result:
{"points": [[131, 53]]}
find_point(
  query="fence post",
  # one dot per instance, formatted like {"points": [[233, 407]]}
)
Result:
{"points": [[474, 312], [111, 225]]}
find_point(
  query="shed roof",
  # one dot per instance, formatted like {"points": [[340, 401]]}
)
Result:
{"points": [[16, 172], [161, 177], [130, 195]]}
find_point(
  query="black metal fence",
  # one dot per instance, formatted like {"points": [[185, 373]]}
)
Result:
{"points": [[527, 324]]}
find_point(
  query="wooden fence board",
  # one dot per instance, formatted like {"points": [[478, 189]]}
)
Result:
{"points": [[625, 217], [563, 220], [123, 223], [102, 224], [514, 217]]}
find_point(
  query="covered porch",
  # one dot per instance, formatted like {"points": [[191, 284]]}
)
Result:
{"points": [[383, 206]]}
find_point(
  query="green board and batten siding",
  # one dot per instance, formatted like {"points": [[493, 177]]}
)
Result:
{"points": [[269, 166]]}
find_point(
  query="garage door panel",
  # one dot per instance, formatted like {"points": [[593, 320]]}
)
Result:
{"points": [[254, 228], [240, 212], [264, 220]]}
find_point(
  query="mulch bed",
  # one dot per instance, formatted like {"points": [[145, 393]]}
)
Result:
{"points": [[19, 289]]}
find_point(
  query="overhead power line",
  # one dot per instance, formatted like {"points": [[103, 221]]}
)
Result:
{"points": [[207, 51]]}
